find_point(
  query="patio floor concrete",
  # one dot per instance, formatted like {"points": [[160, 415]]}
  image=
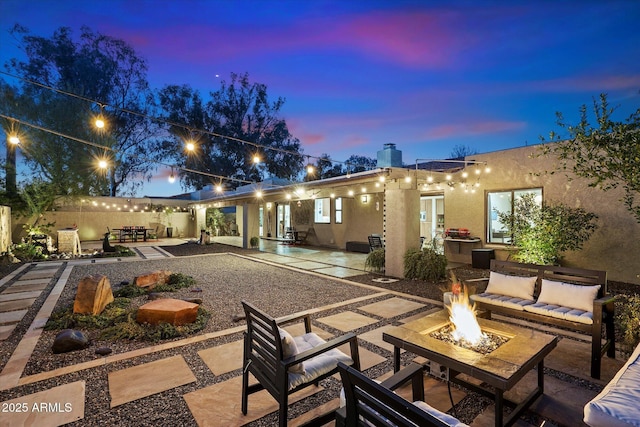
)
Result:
{"points": [[218, 404]]}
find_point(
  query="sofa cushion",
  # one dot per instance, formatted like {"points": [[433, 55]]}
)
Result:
{"points": [[513, 286], [568, 295], [560, 312], [617, 403], [502, 300]]}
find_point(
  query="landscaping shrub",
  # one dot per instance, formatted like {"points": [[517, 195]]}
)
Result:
{"points": [[542, 233], [375, 260], [627, 321], [425, 264]]}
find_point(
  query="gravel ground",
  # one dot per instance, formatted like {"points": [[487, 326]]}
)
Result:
{"points": [[224, 280]]}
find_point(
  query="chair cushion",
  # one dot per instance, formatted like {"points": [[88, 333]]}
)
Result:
{"points": [[442, 416], [290, 349], [502, 300], [617, 403], [513, 286], [568, 295], [316, 366]]}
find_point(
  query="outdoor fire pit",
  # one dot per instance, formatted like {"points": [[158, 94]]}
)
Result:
{"points": [[501, 368]]}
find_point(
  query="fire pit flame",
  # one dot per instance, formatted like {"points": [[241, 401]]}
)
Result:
{"points": [[463, 320]]}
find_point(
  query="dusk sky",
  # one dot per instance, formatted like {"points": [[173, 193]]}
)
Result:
{"points": [[425, 75]]}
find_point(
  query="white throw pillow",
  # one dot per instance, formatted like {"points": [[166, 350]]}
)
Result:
{"points": [[568, 295], [290, 349], [513, 286]]}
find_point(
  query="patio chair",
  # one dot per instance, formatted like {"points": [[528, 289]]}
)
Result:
{"points": [[370, 403], [152, 234], [375, 242], [283, 364]]}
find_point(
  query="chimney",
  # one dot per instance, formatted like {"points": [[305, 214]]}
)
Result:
{"points": [[389, 156]]}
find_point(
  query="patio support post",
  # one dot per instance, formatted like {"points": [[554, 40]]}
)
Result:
{"points": [[402, 225], [250, 223]]}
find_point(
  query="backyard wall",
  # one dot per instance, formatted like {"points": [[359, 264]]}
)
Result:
{"points": [[614, 247], [5, 228]]}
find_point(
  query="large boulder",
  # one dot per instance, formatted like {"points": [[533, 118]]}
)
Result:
{"points": [[168, 310], [153, 279], [69, 340], [93, 295]]}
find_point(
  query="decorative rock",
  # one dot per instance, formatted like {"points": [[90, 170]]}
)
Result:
{"points": [[238, 318], [154, 296], [193, 300], [151, 280], [69, 340], [196, 290], [94, 293], [169, 310], [103, 351]]}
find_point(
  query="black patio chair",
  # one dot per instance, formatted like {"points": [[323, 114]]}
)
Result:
{"points": [[283, 364], [375, 404], [375, 242]]}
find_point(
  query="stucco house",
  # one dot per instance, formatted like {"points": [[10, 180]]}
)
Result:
{"points": [[405, 203]]}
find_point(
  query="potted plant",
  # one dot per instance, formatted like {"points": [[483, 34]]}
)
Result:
{"points": [[254, 242]]}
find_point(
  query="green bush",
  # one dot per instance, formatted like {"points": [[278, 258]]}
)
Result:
{"points": [[425, 264], [29, 251], [254, 241], [375, 260], [627, 321], [542, 233]]}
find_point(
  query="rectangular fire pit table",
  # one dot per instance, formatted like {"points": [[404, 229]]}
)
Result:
{"points": [[500, 369]]}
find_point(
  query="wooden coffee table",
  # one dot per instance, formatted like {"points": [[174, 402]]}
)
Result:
{"points": [[500, 369]]}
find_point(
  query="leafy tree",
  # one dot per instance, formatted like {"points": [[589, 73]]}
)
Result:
{"points": [[325, 168], [608, 155], [239, 111], [96, 67], [542, 233], [357, 163]]}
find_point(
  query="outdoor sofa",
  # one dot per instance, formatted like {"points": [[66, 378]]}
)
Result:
{"points": [[618, 404]]}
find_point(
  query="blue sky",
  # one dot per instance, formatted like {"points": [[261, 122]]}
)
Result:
{"points": [[425, 75]]}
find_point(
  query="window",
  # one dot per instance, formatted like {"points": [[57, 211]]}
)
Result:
{"points": [[323, 210], [338, 210], [502, 201]]}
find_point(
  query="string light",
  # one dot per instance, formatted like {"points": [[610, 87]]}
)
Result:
{"points": [[172, 177], [13, 139], [168, 122]]}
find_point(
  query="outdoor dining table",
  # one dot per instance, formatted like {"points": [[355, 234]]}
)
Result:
{"points": [[132, 232]]}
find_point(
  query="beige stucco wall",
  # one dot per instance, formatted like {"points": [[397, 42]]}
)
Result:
{"points": [[614, 247], [93, 225]]}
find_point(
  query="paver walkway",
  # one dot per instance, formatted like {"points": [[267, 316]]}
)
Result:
{"points": [[219, 404]]}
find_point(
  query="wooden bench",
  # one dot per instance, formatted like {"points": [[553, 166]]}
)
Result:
{"points": [[560, 296]]}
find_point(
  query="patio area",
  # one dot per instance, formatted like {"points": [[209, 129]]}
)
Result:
{"points": [[196, 381]]}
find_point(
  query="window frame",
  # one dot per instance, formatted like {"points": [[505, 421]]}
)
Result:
{"points": [[506, 240], [338, 210], [325, 218]]}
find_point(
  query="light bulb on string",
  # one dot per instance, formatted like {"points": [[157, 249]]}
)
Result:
{"points": [[14, 140], [172, 177]]}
